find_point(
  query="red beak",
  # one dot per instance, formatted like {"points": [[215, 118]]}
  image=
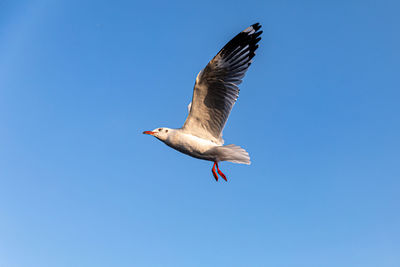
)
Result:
{"points": [[148, 132]]}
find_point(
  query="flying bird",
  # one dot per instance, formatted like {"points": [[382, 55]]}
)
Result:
{"points": [[214, 94]]}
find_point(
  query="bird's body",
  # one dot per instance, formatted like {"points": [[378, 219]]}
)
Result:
{"points": [[191, 145], [199, 147], [215, 92]]}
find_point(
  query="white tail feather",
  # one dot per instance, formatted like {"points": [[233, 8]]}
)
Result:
{"points": [[233, 153]]}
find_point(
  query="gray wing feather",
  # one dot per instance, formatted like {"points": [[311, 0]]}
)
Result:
{"points": [[216, 88]]}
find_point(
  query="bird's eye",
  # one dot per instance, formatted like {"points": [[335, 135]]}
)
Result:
{"points": [[166, 131]]}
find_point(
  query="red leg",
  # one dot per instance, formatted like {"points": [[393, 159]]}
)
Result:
{"points": [[220, 173], [214, 173]]}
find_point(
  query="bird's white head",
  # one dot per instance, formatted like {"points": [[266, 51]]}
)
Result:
{"points": [[160, 133]]}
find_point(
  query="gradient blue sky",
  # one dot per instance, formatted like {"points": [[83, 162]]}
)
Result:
{"points": [[318, 111]]}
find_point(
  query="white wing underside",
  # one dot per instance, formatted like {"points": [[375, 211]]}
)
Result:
{"points": [[216, 88]]}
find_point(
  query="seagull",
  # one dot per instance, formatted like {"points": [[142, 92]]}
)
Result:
{"points": [[214, 94]]}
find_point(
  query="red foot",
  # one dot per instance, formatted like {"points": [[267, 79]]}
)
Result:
{"points": [[219, 172], [214, 173]]}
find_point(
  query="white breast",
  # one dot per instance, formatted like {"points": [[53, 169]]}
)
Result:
{"points": [[190, 145]]}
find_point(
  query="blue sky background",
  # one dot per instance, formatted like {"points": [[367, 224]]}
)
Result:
{"points": [[318, 111]]}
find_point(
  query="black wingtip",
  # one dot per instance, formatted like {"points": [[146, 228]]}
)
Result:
{"points": [[236, 47], [256, 26]]}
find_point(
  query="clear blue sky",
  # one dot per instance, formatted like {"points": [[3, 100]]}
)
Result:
{"points": [[319, 113]]}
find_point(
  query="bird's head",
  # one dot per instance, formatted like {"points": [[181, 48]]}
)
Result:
{"points": [[160, 133]]}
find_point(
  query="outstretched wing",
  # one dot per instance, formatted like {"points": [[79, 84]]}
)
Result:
{"points": [[216, 88]]}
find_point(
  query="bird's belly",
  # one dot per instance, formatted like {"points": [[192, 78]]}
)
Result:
{"points": [[194, 147]]}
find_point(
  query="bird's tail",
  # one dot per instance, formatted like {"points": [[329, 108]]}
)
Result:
{"points": [[233, 153]]}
